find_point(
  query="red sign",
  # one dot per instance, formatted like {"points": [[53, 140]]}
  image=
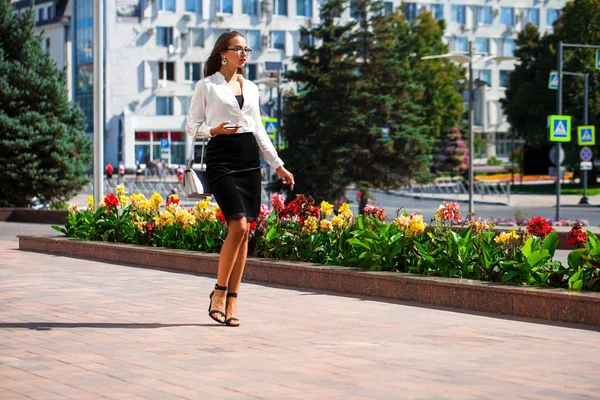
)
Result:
{"points": [[142, 136]]}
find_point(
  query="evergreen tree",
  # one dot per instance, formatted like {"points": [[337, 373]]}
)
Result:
{"points": [[44, 149], [316, 121], [453, 156]]}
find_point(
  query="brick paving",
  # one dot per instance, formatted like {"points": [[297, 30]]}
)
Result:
{"points": [[77, 329]]}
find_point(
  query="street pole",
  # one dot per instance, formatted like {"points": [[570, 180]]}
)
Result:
{"points": [[278, 136], [98, 101], [584, 199], [559, 55], [471, 145]]}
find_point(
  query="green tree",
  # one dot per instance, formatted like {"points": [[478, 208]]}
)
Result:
{"points": [[528, 100], [44, 149]]}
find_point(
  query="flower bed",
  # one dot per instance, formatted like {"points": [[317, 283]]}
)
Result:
{"points": [[329, 234]]}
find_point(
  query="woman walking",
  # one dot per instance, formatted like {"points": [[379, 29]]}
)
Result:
{"points": [[225, 108]]}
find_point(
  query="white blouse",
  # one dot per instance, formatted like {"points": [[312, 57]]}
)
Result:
{"points": [[213, 103]]}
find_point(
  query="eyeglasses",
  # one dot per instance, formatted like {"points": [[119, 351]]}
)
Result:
{"points": [[240, 50]]}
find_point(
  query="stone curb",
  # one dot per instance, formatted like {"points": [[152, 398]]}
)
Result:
{"points": [[545, 304]]}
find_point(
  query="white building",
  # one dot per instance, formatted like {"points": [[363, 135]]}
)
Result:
{"points": [[53, 20], [492, 26]]}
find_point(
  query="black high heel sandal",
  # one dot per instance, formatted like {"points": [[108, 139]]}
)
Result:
{"points": [[214, 313], [229, 320]]}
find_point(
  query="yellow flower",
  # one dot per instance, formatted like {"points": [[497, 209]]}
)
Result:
{"points": [[402, 222], [326, 225], [505, 237], [478, 226], [136, 199], [140, 224], [73, 208], [164, 219], [90, 203], [416, 224], [123, 200], [310, 225], [120, 190], [156, 200], [337, 222], [326, 208], [144, 206], [203, 205]]}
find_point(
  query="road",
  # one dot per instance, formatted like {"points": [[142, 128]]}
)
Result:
{"points": [[528, 210]]}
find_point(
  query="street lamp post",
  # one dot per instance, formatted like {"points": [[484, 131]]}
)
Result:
{"points": [[469, 58], [98, 101]]}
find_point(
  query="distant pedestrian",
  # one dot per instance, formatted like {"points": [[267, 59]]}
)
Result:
{"points": [[138, 172], [160, 171], [109, 172], [174, 191], [121, 172], [180, 172]]}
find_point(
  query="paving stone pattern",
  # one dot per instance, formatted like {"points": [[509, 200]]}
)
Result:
{"points": [[77, 329]]}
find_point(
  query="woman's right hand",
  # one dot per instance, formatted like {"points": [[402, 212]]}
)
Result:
{"points": [[221, 130]]}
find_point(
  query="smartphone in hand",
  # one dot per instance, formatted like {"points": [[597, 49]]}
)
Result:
{"points": [[231, 126]]}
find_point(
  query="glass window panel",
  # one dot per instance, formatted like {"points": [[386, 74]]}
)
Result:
{"points": [[166, 5], [164, 36], [164, 106], [225, 6], [551, 16], [533, 16], [253, 37], [280, 7], [410, 11], [509, 47], [388, 7], [197, 37], [278, 40], [504, 79], [249, 7], [192, 71], [484, 15], [191, 5], [482, 45], [507, 16], [438, 11], [304, 8], [458, 14], [486, 76], [251, 72], [461, 44]]}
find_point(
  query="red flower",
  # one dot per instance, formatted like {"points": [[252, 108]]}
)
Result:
{"points": [[373, 211], [172, 199], [253, 225], [111, 201], [221, 218], [577, 236], [149, 227], [538, 226]]}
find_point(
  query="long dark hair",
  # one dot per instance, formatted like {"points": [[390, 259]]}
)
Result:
{"points": [[213, 64]]}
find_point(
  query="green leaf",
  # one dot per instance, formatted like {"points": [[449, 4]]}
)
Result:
{"points": [[273, 234], [358, 242], [59, 228], [526, 249], [550, 243], [574, 257]]}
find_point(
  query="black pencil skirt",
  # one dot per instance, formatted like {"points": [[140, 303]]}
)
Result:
{"points": [[233, 173]]}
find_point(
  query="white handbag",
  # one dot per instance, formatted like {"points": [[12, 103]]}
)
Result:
{"points": [[192, 184]]}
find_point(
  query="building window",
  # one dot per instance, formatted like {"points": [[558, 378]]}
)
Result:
{"points": [[225, 6], [306, 38], [484, 15], [509, 47], [458, 14], [461, 44], [533, 16], [485, 75], [249, 7], [507, 16], [166, 71], [166, 5], [438, 11], [504, 78], [410, 11], [41, 14], [164, 36], [280, 7], [192, 6], [164, 106], [251, 72], [551, 16], [482, 45], [185, 105], [304, 8], [278, 40], [192, 71], [196, 37], [388, 7], [49, 12], [253, 38]]}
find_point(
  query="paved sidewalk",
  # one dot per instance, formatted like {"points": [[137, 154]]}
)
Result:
{"points": [[71, 328]]}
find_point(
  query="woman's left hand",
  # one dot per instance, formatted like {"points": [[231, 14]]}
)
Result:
{"points": [[286, 177]]}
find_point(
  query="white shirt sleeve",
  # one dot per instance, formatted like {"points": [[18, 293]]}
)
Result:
{"points": [[196, 119], [265, 146]]}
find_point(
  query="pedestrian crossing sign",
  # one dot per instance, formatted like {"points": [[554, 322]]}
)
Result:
{"points": [[560, 128], [586, 135], [271, 126], [553, 81]]}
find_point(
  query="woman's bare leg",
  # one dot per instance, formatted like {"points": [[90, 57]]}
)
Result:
{"points": [[236, 277], [236, 236]]}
